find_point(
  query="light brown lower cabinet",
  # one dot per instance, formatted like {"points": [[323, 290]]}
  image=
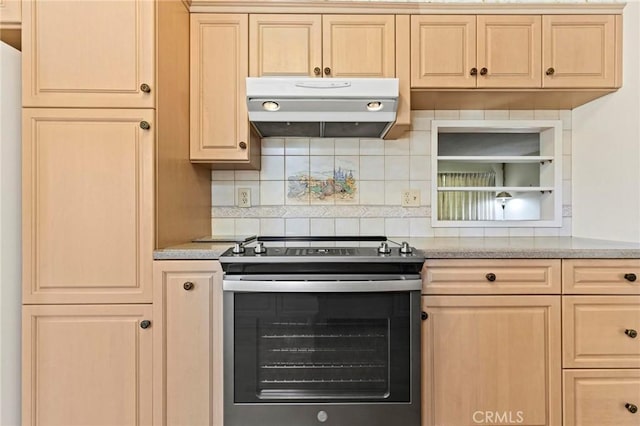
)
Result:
{"points": [[491, 360], [188, 343], [87, 365]]}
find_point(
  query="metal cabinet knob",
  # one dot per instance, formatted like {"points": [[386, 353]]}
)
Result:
{"points": [[242, 145], [317, 71], [188, 285], [490, 276], [144, 125], [631, 407], [630, 277], [631, 333], [145, 324], [483, 71], [327, 71], [474, 71], [424, 316], [550, 71], [145, 88]]}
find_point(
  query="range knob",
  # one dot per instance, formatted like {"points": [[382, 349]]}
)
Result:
{"points": [[405, 248], [260, 248], [238, 248], [384, 248]]}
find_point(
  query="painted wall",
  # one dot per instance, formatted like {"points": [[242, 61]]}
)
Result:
{"points": [[606, 151], [10, 248]]}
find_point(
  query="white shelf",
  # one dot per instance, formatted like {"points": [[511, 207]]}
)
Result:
{"points": [[496, 159], [510, 189]]}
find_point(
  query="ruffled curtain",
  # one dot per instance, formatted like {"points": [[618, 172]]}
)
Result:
{"points": [[466, 205]]}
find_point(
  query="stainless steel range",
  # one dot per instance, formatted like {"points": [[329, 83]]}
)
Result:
{"points": [[325, 334]]}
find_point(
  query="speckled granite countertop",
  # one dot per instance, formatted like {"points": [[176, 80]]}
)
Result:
{"points": [[457, 248]]}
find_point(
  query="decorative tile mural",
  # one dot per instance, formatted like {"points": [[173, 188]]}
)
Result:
{"points": [[339, 184]]}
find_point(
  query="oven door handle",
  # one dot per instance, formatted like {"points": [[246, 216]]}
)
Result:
{"points": [[335, 286]]}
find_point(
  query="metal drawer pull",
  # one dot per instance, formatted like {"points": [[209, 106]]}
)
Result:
{"points": [[483, 71], [188, 285], [145, 88], [630, 277], [145, 324], [550, 71], [144, 125], [474, 71], [491, 276], [631, 333], [424, 316], [631, 407]]}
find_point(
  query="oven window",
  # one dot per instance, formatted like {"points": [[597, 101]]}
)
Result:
{"points": [[321, 346]]}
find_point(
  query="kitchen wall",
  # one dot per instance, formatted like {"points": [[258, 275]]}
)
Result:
{"points": [[606, 151], [369, 201]]}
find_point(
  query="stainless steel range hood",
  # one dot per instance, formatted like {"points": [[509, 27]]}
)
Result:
{"points": [[322, 107]]}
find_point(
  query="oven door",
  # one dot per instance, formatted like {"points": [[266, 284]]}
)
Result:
{"points": [[342, 351]]}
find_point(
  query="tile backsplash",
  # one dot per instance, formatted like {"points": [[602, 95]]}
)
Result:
{"points": [[324, 186]]}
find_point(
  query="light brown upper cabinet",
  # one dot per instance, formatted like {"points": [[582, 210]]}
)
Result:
{"points": [[220, 132], [88, 53], [468, 51], [322, 45], [582, 51], [88, 216], [10, 13]]}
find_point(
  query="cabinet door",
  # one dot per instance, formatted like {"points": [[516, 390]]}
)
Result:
{"points": [[220, 132], [491, 360], [509, 49], [88, 53], [188, 366], [358, 45], [87, 206], [10, 13], [582, 51], [285, 45], [443, 50], [86, 365]]}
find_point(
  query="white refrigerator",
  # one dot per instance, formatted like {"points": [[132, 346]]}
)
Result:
{"points": [[10, 244]]}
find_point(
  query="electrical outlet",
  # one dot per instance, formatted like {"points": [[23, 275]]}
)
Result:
{"points": [[411, 198], [244, 197]]}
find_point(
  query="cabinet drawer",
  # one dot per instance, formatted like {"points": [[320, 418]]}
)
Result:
{"points": [[491, 276], [601, 331], [601, 397], [601, 276]]}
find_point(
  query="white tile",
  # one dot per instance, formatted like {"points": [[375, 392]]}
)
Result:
{"points": [[396, 227], [223, 226], [321, 166], [322, 226], [298, 226], [420, 167], [566, 116], [396, 167], [253, 186], [520, 232], [296, 166], [566, 167], [496, 114], [420, 227], [496, 232], [272, 146], [372, 146], [420, 142], [222, 193], [567, 142], [521, 114], [321, 146], [247, 226], [447, 114], [272, 168], [566, 192], [472, 114], [446, 232], [421, 120], [372, 226], [272, 193], [222, 175], [398, 146], [566, 230], [546, 232], [296, 193], [347, 226], [424, 186], [546, 114], [371, 167], [471, 232], [247, 175], [347, 146], [296, 146], [371, 192], [272, 226], [393, 190], [349, 164]]}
